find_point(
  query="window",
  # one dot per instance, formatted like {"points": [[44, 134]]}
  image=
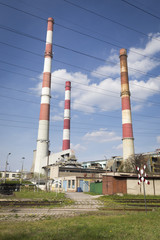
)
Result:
{"points": [[73, 184], [7, 174], [13, 175], [69, 183]]}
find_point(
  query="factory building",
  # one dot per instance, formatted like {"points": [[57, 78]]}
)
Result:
{"points": [[110, 164], [62, 168]]}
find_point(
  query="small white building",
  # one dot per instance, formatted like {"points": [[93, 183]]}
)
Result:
{"points": [[10, 175]]}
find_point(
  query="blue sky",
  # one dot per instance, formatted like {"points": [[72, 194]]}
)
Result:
{"points": [[94, 72]]}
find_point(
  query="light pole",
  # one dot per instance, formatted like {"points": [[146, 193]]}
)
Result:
{"points": [[6, 167], [22, 170]]}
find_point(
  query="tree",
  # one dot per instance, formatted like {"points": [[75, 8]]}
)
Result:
{"points": [[132, 162]]}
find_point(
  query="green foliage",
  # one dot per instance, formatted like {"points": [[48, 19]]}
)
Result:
{"points": [[91, 193], [127, 196], [39, 195], [130, 164], [92, 227], [17, 182]]}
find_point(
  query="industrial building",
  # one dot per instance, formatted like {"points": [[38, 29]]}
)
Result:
{"points": [[61, 170], [112, 164], [127, 183], [42, 156]]}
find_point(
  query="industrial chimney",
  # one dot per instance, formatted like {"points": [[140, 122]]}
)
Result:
{"points": [[128, 140], [66, 128], [43, 130]]}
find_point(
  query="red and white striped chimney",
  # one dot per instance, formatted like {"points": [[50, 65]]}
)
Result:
{"points": [[128, 140], [43, 131], [66, 128]]}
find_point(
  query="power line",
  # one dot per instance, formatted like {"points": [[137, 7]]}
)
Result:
{"points": [[141, 9], [104, 41], [20, 10], [22, 49], [73, 127], [73, 50], [15, 65], [73, 23], [98, 73], [140, 100], [84, 34], [84, 132], [72, 122], [106, 18], [94, 113]]}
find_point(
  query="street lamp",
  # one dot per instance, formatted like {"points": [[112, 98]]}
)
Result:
{"points": [[6, 167], [22, 170]]}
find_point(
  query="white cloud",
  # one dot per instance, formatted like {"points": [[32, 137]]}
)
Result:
{"points": [[107, 70], [135, 61], [120, 146], [90, 97], [57, 118], [78, 147], [101, 136]]}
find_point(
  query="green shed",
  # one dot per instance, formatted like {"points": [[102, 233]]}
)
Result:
{"points": [[96, 187]]}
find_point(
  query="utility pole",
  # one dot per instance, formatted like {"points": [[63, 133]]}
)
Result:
{"points": [[22, 171], [6, 167]]}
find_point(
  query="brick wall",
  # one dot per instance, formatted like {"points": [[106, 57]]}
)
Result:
{"points": [[113, 185]]}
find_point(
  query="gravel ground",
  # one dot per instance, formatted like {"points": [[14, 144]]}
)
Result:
{"points": [[83, 203]]}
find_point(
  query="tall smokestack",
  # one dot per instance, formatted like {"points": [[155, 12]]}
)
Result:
{"points": [[43, 130], [66, 128], [128, 140]]}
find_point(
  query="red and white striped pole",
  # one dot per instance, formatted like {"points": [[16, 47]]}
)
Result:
{"points": [[128, 140], [43, 131], [66, 128]]}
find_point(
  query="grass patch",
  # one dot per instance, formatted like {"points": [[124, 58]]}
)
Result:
{"points": [[127, 196], [91, 193], [41, 196], [126, 201], [127, 227]]}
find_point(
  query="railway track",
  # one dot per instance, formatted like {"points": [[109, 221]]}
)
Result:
{"points": [[29, 203], [138, 200]]}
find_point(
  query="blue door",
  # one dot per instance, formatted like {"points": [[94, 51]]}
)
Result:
{"points": [[81, 184], [85, 186], [65, 185]]}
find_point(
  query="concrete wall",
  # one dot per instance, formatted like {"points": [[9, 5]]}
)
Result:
{"points": [[56, 187], [56, 157], [152, 189], [80, 174], [54, 172], [114, 183]]}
